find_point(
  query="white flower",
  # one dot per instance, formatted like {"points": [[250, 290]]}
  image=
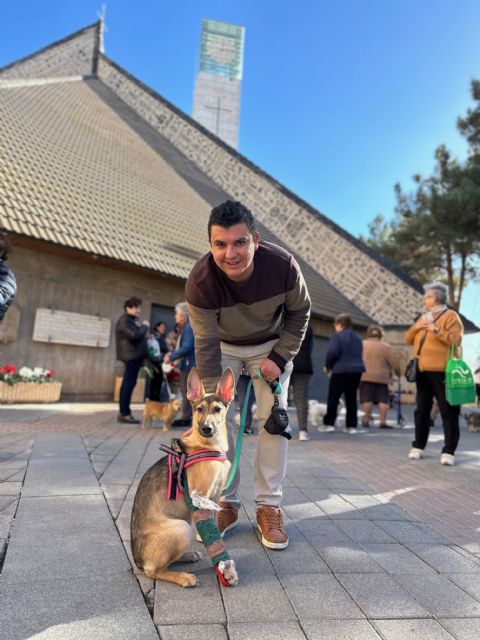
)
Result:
{"points": [[26, 372], [38, 371]]}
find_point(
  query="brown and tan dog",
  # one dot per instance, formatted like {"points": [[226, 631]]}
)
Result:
{"points": [[161, 529], [164, 411]]}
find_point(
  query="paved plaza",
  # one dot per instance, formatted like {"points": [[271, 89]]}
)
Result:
{"points": [[380, 546]]}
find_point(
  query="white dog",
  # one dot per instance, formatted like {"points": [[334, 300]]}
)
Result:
{"points": [[316, 411]]}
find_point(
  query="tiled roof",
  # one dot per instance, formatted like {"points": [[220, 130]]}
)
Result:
{"points": [[75, 174], [82, 170]]}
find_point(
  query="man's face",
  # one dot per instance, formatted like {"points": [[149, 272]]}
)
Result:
{"points": [[134, 311], [233, 250]]}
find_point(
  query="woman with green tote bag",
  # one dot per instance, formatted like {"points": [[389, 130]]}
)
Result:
{"points": [[437, 330]]}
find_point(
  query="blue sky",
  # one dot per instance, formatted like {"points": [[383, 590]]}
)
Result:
{"points": [[340, 100]]}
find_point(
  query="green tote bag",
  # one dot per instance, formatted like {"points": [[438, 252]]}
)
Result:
{"points": [[459, 383]]}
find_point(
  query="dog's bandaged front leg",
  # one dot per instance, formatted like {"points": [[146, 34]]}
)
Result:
{"points": [[211, 538]]}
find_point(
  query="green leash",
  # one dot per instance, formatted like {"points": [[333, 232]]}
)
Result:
{"points": [[238, 446]]}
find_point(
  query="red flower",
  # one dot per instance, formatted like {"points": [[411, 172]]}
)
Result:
{"points": [[50, 374], [8, 369]]}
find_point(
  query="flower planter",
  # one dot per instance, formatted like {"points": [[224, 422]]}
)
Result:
{"points": [[30, 392]]}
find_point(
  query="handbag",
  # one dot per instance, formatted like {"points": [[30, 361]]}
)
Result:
{"points": [[459, 382], [411, 369]]}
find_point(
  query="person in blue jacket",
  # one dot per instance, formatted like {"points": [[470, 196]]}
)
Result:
{"points": [[185, 352], [344, 363]]}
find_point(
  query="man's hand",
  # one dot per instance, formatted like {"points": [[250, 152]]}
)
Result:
{"points": [[270, 371], [146, 323], [166, 357]]}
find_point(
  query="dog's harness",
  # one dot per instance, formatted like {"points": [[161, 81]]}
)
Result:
{"points": [[178, 461]]}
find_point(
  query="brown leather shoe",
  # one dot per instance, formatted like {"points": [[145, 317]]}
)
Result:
{"points": [[227, 517], [270, 525]]}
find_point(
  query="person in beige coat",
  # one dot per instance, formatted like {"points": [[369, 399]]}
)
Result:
{"points": [[380, 361]]}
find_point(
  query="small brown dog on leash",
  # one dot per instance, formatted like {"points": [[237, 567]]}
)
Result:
{"points": [[162, 529], [164, 411]]}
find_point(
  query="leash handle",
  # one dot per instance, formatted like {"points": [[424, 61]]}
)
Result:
{"points": [[275, 385]]}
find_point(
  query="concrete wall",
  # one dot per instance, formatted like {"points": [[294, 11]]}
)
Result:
{"points": [[78, 284]]}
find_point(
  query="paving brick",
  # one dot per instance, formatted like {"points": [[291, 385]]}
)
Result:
{"points": [[439, 596], [265, 631], [411, 629], [337, 508], [315, 597], [340, 630], [379, 596]]}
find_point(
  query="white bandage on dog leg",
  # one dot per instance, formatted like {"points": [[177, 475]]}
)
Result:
{"points": [[201, 502], [229, 572]]}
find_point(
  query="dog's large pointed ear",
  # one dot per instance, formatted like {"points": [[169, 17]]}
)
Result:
{"points": [[226, 386], [195, 388]]}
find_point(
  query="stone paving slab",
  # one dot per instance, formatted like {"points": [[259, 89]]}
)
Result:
{"points": [[462, 628], [100, 607], [340, 630], [395, 558], [440, 596], [201, 605], [258, 598], [445, 559], [364, 531], [64, 536], [468, 582], [59, 465], [265, 631], [411, 630], [379, 596], [316, 597], [193, 631], [347, 557]]}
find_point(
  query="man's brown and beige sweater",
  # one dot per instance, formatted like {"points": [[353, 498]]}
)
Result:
{"points": [[272, 304]]}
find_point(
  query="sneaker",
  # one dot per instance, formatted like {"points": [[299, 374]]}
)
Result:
{"points": [[303, 435], [351, 430], [415, 454], [128, 419], [384, 426], [270, 525], [325, 428], [448, 459], [227, 518]]}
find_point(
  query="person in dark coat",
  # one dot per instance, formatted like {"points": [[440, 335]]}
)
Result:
{"points": [[8, 284], [132, 348], [344, 362], [302, 371]]}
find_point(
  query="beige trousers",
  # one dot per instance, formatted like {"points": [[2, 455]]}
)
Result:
{"points": [[271, 456]]}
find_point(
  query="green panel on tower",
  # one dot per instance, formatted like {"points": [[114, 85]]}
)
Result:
{"points": [[221, 50]]}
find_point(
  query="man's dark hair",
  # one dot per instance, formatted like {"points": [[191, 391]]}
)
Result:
{"points": [[4, 245], [132, 302], [344, 319], [229, 213]]}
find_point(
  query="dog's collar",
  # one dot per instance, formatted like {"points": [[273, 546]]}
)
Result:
{"points": [[178, 461]]}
